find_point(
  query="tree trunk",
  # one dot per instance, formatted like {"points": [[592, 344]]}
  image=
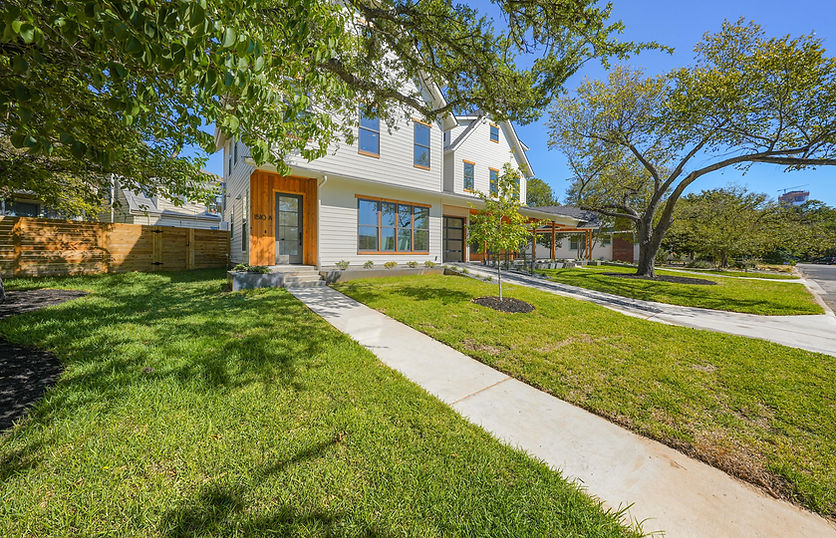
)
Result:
{"points": [[2, 291], [499, 279]]}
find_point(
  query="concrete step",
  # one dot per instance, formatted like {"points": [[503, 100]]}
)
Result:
{"points": [[301, 278], [305, 284]]}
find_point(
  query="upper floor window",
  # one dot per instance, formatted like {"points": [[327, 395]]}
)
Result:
{"points": [[229, 158], [369, 135], [235, 151], [468, 175], [494, 133], [421, 151], [494, 180]]}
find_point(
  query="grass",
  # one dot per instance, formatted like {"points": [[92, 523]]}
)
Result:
{"points": [[735, 295], [186, 411], [738, 274], [758, 410]]}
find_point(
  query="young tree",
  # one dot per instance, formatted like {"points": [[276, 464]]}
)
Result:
{"points": [[499, 226], [635, 143], [538, 193]]}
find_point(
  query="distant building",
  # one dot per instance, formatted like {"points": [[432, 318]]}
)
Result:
{"points": [[793, 197]]}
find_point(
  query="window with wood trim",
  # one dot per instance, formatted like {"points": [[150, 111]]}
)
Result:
{"points": [[468, 175], [368, 137], [494, 185], [494, 133], [385, 226], [421, 150]]}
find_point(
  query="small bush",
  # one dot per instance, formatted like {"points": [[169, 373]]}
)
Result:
{"points": [[342, 265], [412, 264], [429, 264], [369, 264], [247, 268], [700, 264], [390, 265]]}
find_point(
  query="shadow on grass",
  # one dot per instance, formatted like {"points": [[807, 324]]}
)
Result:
{"points": [[137, 330], [674, 293], [224, 509]]}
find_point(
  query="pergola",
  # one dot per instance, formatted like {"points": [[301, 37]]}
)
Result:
{"points": [[554, 229]]}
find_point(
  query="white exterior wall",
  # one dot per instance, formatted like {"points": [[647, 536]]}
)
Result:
{"points": [[599, 250], [237, 182], [395, 164], [479, 149], [338, 223]]}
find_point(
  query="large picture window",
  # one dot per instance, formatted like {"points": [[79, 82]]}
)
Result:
{"points": [[468, 175], [494, 180], [390, 226], [369, 134], [421, 153]]}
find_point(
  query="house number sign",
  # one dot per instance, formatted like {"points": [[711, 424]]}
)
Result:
{"points": [[261, 216]]}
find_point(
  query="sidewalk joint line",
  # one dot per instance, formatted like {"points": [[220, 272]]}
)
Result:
{"points": [[483, 389]]}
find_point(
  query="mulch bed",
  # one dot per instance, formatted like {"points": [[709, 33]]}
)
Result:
{"points": [[666, 278], [26, 373], [506, 304]]}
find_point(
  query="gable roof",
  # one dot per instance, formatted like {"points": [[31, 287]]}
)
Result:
{"points": [[510, 133]]}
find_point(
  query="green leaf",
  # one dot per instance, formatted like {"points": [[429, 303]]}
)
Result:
{"points": [[20, 65], [27, 33], [229, 38], [232, 123]]}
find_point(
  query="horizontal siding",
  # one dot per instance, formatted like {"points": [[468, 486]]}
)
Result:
{"points": [[479, 149], [237, 184], [395, 164], [338, 224]]}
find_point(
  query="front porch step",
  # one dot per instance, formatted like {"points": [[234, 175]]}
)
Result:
{"points": [[305, 284]]}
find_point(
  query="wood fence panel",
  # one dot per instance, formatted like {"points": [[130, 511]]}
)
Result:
{"points": [[32, 247]]}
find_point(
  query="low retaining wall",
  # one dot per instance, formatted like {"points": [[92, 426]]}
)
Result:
{"points": [[336, 275], [248, 281]]}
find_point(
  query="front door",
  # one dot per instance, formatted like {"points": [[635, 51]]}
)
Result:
{"points": [[288, 228], [454, 239]]}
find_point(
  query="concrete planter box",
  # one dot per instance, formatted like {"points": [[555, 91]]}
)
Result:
{"points": [[239, 280], [336, 275]]}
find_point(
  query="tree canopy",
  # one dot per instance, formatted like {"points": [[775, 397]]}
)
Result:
{"points": [[89, 88], [538, 193], [636, 143]]}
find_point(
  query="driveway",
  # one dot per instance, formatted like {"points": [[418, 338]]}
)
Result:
{"points": [[825, 277], [810, 332]]}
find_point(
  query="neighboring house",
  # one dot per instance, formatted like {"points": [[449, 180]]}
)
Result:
{"points": [[140, 208], [129, 207], [400, 196]]}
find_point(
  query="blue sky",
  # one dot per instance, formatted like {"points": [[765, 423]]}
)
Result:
{"points": [[680, 25]]}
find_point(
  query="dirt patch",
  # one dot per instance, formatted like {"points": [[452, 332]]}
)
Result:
{"points": [[666, 278], [20, 301], [26, 373], [506, 304], [472, 345]]}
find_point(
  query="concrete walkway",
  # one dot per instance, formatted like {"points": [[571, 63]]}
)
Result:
{"points": [[812, 332], [669, 492]]}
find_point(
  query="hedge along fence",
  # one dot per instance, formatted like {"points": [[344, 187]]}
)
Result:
{"points": [[34, 247]]}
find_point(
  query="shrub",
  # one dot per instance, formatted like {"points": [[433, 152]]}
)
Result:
{"points": [[700, 264], [369, 264], [342, 265], [247, 268], [429, 263], [390, 265], [412, 264]]}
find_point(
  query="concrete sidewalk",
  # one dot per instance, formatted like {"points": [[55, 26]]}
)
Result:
{"points": [[668, 491], [811, 332]]}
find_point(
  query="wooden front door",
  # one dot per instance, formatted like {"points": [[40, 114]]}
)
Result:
{"points": [[289, 223]]}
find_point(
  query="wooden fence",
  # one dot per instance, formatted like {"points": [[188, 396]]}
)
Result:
{"points": [[33, 247]]}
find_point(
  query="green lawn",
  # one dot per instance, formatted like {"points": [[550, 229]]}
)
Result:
{"points": [[732, 294], [759, 410], [739, 274], [186, 411]]}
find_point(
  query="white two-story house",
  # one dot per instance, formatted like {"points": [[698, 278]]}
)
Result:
{"points": [[404, 195]]}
